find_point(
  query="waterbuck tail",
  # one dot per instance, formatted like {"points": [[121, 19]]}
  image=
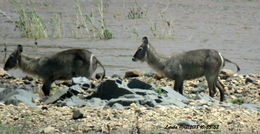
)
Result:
{"points": [[104, 71], [238, 69]]}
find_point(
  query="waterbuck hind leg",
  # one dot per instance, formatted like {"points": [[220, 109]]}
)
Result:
{"points": [[220, 86], [178, 86], [211, 84], [46, 87]]}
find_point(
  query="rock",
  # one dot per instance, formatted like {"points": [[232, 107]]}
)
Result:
{"points": [[77, 114], [135, 83], [2, 72], [255, 107], [72, 101], [132, 73], [186, 123], [225, 73], [173, 94], [48, 130], [95, 102], [115, 76], [170, 100], [98, 75], [57, 96], [17, 96], [251, 80], [126, 100], [111, 89], [75, 89], [203, 96], [81, 80], [197, 90]]}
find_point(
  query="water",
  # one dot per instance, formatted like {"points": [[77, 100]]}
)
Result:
{"points": [[231, 27]]}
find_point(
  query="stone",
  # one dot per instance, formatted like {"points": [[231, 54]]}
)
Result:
{"points": [[95, 102], [255, 107], [135, 83], [126, 100], [2, 72], [17, 96], [81, 80], [186, 123], [75, 89], [197, 90], [48, 130], [98, 75], [158, 76], [203, 96], [112, 89], [226, 73], [132, 73], [57, 96], [77, 114], [72, 101], [173, 94], [251, 80]]}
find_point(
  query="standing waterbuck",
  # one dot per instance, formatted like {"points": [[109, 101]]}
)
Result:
{"points": [[60, 66], [186, 65]]}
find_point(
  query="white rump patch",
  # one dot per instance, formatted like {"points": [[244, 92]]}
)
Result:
{"points": [[222, 60], [90, 64]]}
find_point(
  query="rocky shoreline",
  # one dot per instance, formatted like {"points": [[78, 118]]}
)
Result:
{"points": [[135, 103]]}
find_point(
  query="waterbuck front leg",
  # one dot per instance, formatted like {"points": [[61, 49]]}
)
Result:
{"points": [[178, 86], [46, 87], [220, 86]]}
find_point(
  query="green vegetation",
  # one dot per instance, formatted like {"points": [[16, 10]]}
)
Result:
{"points": [[30, 24], [239, 100], [88, 24], [56, 26], [8, 129], [136, 12], [160, 91]]}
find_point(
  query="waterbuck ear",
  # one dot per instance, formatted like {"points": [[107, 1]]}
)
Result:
{"points": [[145, 40], [19, 49]]}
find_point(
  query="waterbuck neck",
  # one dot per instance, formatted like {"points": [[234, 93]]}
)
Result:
{"points": [[154, 59], [29, 64]]}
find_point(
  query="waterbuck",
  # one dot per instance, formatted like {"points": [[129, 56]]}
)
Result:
{"points": [[60, 66], [186, 65]]}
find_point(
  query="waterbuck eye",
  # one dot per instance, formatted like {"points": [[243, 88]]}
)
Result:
{"points": [[140, 48]]}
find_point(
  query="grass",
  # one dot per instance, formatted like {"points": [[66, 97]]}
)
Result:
{"points": [[57, 25], [89, 24], [160, 91], [136, 12], [29, 24], [239, 100]]}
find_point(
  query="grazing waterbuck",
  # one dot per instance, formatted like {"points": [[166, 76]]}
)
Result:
{"points": [[60, 66], [186, 65]]}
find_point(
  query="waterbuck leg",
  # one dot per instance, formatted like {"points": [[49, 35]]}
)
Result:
{"points": [[46, 87], [178, 86], [211, 84], [220, 86]]}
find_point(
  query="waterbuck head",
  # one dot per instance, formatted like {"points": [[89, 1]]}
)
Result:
{"points": [[140, 54], [14, 58]]}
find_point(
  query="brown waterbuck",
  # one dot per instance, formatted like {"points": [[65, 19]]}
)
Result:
{"points": [[186, 65], [60, 66]]}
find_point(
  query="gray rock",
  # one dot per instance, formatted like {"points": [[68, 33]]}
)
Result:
{"points": [[198, 90], [250, 80], [126, 100], [202, 96], [186, 123], [112, 89], [20, 96], [135, 83], [73, 101], [173, 94], [48, 130], [57, 96], [255, 107], [95, 102], [166, 101], [77, 114], [81, 80], [75, 89]]}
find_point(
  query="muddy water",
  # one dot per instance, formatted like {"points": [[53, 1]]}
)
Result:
{"points": [[231, 27]]}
